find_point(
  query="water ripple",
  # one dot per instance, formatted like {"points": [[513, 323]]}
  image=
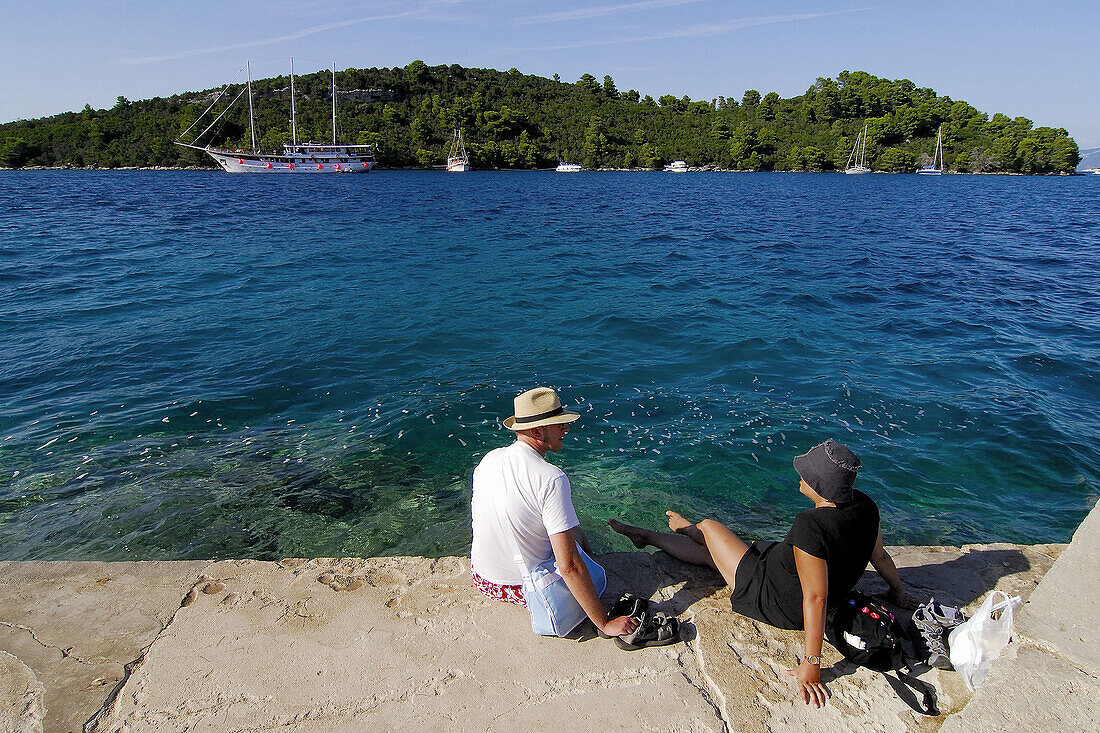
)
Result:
{"points": [[199, 365]]}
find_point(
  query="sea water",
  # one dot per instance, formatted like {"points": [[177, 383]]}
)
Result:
{"points": [[199, 365]]}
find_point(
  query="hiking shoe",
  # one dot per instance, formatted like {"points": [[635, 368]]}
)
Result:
{"points": [[933, 638], [946, 616]]}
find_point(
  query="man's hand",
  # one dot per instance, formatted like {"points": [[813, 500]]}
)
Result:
{"points": [[619, 625], [809, 682]]}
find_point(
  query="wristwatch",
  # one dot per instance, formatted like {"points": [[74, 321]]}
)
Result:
{"points": [[813, 659]]}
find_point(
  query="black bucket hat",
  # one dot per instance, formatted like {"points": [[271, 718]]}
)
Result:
{"points": [[830, 470]]}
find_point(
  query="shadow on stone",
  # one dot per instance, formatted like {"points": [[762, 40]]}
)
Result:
{"points": [[959, 581]]}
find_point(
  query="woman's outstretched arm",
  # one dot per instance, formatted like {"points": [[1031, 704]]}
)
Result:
{"points": [[813, 575], [885, 567]]}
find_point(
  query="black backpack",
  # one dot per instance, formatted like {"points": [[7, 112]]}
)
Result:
{"points": [[867, 634]]}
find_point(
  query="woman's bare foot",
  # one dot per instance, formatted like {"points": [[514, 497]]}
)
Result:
{"points": [[637, 535], [677, 523]]}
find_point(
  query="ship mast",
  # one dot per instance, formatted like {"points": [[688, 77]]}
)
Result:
{"points": [[333, 102], [293, 120], [251, 124]]}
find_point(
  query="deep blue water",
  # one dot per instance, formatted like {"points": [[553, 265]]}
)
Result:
{"points": [[200, 365]]}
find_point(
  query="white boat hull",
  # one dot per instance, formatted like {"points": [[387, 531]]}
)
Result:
{"points": [[458, 167], [568, 168], [857, 170], [929, 172], [232, 162]]}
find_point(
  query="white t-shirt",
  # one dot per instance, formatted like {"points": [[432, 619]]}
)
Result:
{"points": [[537, 504]]}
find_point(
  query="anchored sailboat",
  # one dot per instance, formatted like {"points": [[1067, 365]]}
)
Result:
{"points": [[936, 168], [294, 158], [457, 160], [857, 161]]}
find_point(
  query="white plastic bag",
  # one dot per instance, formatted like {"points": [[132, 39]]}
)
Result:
{"points": [[977, 642]]}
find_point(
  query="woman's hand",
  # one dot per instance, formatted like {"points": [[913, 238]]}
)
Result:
{"points": [[619, 626], [809, 682], [903, 599]]}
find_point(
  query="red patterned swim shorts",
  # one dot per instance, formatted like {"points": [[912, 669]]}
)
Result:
{"points": [[506, 593]]}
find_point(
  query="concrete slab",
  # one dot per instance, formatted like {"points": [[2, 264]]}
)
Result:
{"points": [[1029, 689], [1049, 676], [76, 625], [387, 645], [1063, 614], [401, 643], [22, 709]]}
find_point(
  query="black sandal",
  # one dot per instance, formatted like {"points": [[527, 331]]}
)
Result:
{"points": [[627, 605], [655, 630]]}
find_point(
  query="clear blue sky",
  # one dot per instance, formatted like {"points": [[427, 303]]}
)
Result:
{"points": [[1036, 59]]}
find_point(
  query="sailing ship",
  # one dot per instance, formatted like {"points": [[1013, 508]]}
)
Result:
{"points": [[295, 158], [564, 167], [457, 160], [857, 161], [936, 168]]}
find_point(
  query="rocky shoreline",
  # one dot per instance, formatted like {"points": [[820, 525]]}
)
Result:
{"points": [[702, 169], [405, 643]]}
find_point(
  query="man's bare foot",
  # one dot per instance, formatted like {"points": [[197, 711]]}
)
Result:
{"points": [[677, 523], [634, 534]]}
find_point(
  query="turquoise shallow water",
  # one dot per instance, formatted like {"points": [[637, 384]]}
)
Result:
{"points": [[198, 365]]}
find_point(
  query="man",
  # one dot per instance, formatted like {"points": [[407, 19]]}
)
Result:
{"points": [[517, 486]]}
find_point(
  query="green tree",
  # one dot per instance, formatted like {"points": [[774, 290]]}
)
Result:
{"points": [[742, 148], [896, 160], [14, 153], [595, 143], [516, 120], [588, 83], [1064, 155], [1003, 151], [416, 72], [1031, 156], [768, 106], [669, 102], [427, 158], [814, 158], [648, 157], [609, 89]]}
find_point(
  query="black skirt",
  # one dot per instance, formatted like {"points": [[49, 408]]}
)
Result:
{"points": [[750, 593]]}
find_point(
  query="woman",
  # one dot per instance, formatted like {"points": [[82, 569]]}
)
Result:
{"points": [[791, 584]]}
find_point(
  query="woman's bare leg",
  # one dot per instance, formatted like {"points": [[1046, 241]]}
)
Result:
{"points": [[679, 546], [724, 548]]}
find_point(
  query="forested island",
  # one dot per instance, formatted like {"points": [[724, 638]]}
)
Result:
{"points": [[517, 121]]}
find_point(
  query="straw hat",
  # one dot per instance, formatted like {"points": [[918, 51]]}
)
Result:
{"points": [[538, 407]]}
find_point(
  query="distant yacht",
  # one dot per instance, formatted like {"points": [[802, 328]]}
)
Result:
{"points": [[677, 166], [569, 167], [857, 161], [295, 157], [457, 160], [936, 168]]}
